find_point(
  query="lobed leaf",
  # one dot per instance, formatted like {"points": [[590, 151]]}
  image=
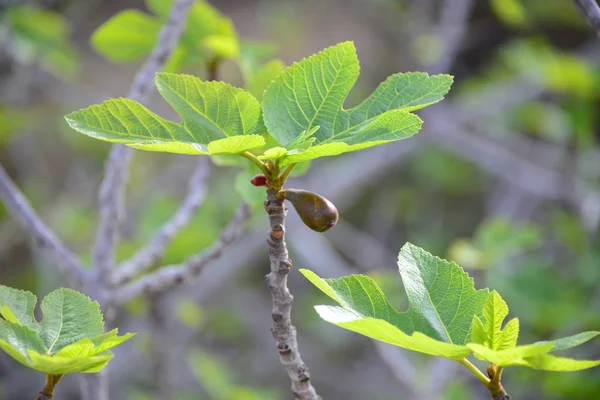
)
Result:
{"points": [[17, 306], [69, 339], [216, 118], [312, 93], [442, 301], [445, 316]]}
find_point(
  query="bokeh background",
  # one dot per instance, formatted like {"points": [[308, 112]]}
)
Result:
{"points": [[503, 179]]}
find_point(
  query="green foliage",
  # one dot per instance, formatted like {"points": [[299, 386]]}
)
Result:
{"points": [[310, 95], [302, 109], [42, 35], [131, 34], [447, 317], [69, 339], [496, 239], [216, 119]]}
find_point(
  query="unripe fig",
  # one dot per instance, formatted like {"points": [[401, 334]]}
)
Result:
{"points": [[318, 213], [259, 180]]}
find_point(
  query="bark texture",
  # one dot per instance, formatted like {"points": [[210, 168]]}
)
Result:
{"points": [[283, 330]]}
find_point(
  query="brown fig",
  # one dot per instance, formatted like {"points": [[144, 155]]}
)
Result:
{"points": [[318, 213]]}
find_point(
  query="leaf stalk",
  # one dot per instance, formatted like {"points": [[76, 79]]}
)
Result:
{"points": [[286, 173], [257, 162], [475, 371]]}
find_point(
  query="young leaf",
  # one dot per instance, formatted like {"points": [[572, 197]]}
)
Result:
{"points": [[216, 119], [70, 337], [57, 365], [509, 335], [17, 306], [126, 37], [442, 300], [312, 93], [512, 356], [495, 311], [478, 333], [16, 339], [69, 316]]}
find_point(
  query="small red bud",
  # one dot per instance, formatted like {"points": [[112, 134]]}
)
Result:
{"points": [[259, 180]]}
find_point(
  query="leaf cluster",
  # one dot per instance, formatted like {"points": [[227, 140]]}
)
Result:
{"points": [[447, 316], [300, 118], [69, 339]]}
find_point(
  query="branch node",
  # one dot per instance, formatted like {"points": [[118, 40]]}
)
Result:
{"points": [[284, 348]]}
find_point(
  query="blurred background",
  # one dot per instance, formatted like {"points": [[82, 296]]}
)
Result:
{"points": [[504, 179]]}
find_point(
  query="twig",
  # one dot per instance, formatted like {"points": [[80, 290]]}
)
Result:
{"points": [[591, 12], [169, 276], [145, 258], [47, 392], [112, 190], [283, 330], [18, 206]]}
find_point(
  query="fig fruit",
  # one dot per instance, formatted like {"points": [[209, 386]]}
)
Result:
{"points": [[318, 213], [259, 180]]}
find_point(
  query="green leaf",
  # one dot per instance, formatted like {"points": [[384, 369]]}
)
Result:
{"points": [[126, 37], [442, 300], [16, 339], [509, 335], [159, 7], [312, 93], [17, 306], [571, 341], [274, 153], [494, 311], [263, 77], [42, 36], [512, 356], [216, 119], [552, 363], [70, 337], [536, 355], [69, 316], [57, 365], [204, 25], [478, 333]]}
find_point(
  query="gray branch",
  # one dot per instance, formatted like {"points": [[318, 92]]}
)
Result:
{"points": [[19, 207], [283, 330], [591, 12], [112, 190], [148, 255], [169, 276]]}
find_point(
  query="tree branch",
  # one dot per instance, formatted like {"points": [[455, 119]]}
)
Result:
{"points": [[19, 207], [591, 12], [145, 258], [169, 276], [283, 330], [112, 190]]}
